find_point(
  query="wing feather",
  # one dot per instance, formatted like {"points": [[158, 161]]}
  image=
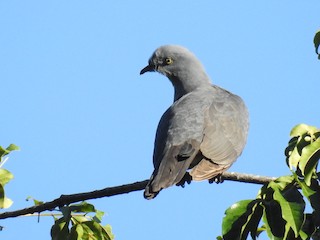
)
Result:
{"points": [[225, 133]]}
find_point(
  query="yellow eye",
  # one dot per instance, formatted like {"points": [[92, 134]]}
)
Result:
{"points": [[169, 61]]}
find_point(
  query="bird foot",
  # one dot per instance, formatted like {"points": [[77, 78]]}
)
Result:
{"points": [[187, 178], [217, 179]]}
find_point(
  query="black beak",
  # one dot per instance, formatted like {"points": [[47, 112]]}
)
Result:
{"points": [[149, 68]]}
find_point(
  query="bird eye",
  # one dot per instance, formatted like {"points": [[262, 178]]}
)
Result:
{"points": [[169, 61]]}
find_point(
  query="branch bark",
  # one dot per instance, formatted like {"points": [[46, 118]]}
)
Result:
{"points": [[112, 191]]}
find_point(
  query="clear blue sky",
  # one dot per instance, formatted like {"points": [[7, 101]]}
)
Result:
{"points": [[73, 100]]}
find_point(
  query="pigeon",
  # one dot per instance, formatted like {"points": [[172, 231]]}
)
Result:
{"points": [[203, 132]]}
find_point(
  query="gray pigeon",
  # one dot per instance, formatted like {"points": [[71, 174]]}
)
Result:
{"points": [[202, 133]]}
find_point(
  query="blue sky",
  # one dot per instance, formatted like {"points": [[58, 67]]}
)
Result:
{"points": [[73, 100]]}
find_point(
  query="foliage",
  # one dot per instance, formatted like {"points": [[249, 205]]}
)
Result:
{"points": [[83, 226], [281, 203], [76, 222], [5, 175], [316, 42]]}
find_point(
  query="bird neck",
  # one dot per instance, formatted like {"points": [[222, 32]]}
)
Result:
{"points": [[190, 83]]}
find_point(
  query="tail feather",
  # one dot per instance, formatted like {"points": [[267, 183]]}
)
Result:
{"points": [[148, 192], [170, 172]]}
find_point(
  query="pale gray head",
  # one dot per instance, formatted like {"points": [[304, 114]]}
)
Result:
{"points": [[181, 66]]}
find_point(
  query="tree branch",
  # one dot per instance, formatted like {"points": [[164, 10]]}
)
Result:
{"points": [[112, 191]]}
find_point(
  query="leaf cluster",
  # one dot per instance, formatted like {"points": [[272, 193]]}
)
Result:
{"points": [[77, 224], [280, 205], [5, 175]]}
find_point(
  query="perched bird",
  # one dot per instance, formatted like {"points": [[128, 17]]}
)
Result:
{"points": [[205, 129]]}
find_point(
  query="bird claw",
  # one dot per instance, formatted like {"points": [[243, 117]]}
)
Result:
{"points": [[217, 179], [187, 178]]}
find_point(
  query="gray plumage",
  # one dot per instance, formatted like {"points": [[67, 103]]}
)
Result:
{"points": [[205, 129]]}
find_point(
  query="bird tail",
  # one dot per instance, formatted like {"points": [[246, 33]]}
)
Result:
{"points": [[165, 176], [148, 192], [170, 172]]}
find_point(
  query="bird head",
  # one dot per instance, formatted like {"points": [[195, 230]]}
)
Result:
{"points": [[170, 60], [180, 65]]}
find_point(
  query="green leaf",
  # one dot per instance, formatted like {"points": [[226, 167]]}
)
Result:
{"points": [[292, 212], [308, 227], [5, 176], [291, 203], [304, 236], [302, 135], [241, 219], [281, 182], [83, 226], [309, 160], [98, 216], [312, 192], [92, 230], [12, 147], [82, 207], [7, 202], [309, 191], [4, 201], [6, 151], [79, 219], [293, 159], [306, 190], [253, 221], [60, 230], [272, 218], [233, 213], [291, 153], [303, 151], [76, 232], [108, 231], [3, 152], [316, 41], [35, 201], [261, 230], [283, 208], [301, 129]]}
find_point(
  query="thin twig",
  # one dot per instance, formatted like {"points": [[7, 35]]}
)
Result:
{"points": [[246, 178], [112, 191]]}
